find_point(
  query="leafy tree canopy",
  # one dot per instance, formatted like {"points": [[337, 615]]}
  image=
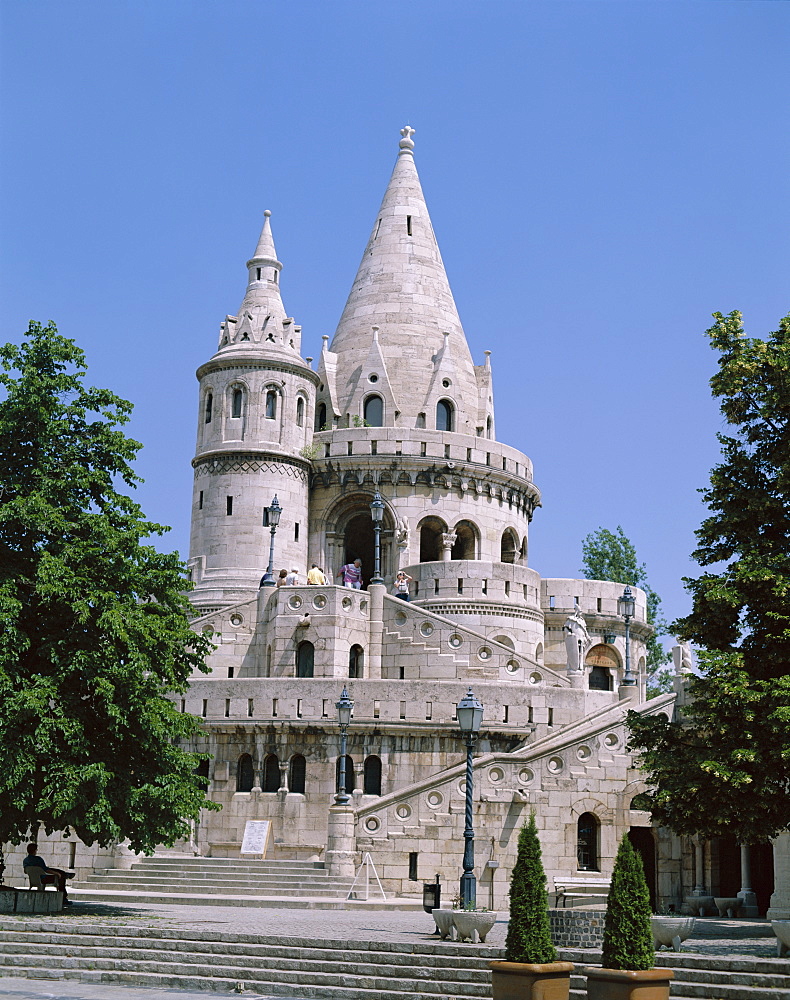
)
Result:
{"points": [[94, 623], [610, 555], [730, 749], [743, 601]]}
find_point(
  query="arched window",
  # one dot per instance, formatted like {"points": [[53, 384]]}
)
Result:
{"points": [[305, 657], [600, 679], [356, 656], [209, 406], [444, 415], [271, 404], [431, 531], [374, 411], [587, 843], [539, 653], [372, 785], [320, 417], [238, 399], [271, 773], [300, 411], [202, 772], [349, 774], [297, 770], [509, 547], [245, 776], [465, 541]]}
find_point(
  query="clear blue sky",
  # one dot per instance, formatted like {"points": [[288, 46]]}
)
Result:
{"points": [[601, 177]]}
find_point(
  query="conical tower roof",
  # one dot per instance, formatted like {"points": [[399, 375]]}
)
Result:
{"points": [[402, 288]]}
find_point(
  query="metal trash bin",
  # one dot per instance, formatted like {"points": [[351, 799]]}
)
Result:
{"points": [[431, 896]]}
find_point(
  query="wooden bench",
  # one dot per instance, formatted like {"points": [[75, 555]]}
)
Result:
{"points": [[580, 886]]}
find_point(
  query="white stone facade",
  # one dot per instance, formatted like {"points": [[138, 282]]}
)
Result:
{"points": [[397, 406]]}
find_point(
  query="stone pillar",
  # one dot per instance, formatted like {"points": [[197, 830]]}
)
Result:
{"points": [[749, 904], [699, 869], [780, 900], [376, 593], [630, 691], [448, 541], [340, 853]]}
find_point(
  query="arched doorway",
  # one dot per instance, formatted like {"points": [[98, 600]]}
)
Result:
{"points": [[465, 541], [602, 662], [644, 844], [358, 543]]}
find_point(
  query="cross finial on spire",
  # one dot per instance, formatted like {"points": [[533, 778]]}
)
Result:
{"points": [[407, 143]]}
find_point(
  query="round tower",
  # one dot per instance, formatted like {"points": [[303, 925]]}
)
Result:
{"points": [[402, 408], [255, 417]]}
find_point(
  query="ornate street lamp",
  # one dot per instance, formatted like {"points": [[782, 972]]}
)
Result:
{"points": [[377, 513], [344, 709], [626, 606], [470, 717], [271, 518]]}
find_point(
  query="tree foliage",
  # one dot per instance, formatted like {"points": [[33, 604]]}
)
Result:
{"points": [[610, 555], [627, 935], [94, 622], [730, 749], [743, 601], [528, 932]]}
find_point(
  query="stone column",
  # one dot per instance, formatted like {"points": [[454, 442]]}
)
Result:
{"points": [[340, 853], [448, 541], [376, 593], [699, 869], [780, 900], [747, 894]]}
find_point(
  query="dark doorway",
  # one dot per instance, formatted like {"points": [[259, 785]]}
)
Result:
{"points": [[271, 773], [296, 774], [358, 543], [305, 658], [245, 776], [372, 775], [644, 844], [726, 876], [431, 531]]}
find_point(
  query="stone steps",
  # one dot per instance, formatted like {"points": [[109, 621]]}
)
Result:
{"points": [[704, 977], [338, 970], [334, 970], [215, 882]]}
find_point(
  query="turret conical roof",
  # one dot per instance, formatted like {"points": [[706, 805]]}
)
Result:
{"points": [[402, 288]]}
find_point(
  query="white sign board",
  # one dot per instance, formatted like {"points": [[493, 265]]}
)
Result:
{"points": [[256, 837]]}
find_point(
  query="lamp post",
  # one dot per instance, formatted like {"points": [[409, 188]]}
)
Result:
{"points": [[470, 716], [377, 513], [272, 519], [626, 605], [344, 709]]}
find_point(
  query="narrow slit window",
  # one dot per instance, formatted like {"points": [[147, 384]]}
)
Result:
{"points": [[551, 717], [229, 506], [378, 226], [413, 876], [183, 705], [423, 449], [300, 411], [507, 588], [374, 447], [258, 274], [401, 673], [227, 708], [200, 507], [403, 708], [231, 671], [250, 708], [274, 708], [428, 711], [351, 447], [505, 712], [469, 454], [460, 586], [484, 586], [275, 275], [436, 585], [296, 532], [238, 399], [204, 710], [271, 404], [298, 708], [376, 709], [408, 225], [447, 451], [326, 451], [209, 406]]}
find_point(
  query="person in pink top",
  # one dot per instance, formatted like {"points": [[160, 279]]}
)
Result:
{"points": [[352, 574]]}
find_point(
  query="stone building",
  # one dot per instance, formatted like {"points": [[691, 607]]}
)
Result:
{"points": [[395, 404]]}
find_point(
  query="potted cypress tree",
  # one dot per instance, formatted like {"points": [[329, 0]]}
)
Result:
{"points": [[628, 955], [530, 969]]}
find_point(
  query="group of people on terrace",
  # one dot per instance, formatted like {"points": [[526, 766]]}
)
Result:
{"points": [[350, 575]]}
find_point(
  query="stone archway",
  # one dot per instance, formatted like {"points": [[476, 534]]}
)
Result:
{"points": [[350, 536], [602, 662]]}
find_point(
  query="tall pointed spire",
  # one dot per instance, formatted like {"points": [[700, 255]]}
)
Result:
{"points": [[401, 286], [261, 319]]}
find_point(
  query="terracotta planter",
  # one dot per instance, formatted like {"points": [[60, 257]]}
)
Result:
{"points": [[524, 981], [623, 984]]}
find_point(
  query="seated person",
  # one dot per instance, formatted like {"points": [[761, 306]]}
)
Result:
{"points": [[49, 876]]}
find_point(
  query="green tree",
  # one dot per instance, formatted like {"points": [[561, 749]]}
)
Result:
{"points": [[95, 629], [733, 741], [627, 936], [528, 931], [610, 555]]}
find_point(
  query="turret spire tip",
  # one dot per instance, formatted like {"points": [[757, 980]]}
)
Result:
{"points": [[407, 143]]}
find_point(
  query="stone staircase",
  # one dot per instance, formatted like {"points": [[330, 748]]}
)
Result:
{"points": [[332, 969], [221, 882]]}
